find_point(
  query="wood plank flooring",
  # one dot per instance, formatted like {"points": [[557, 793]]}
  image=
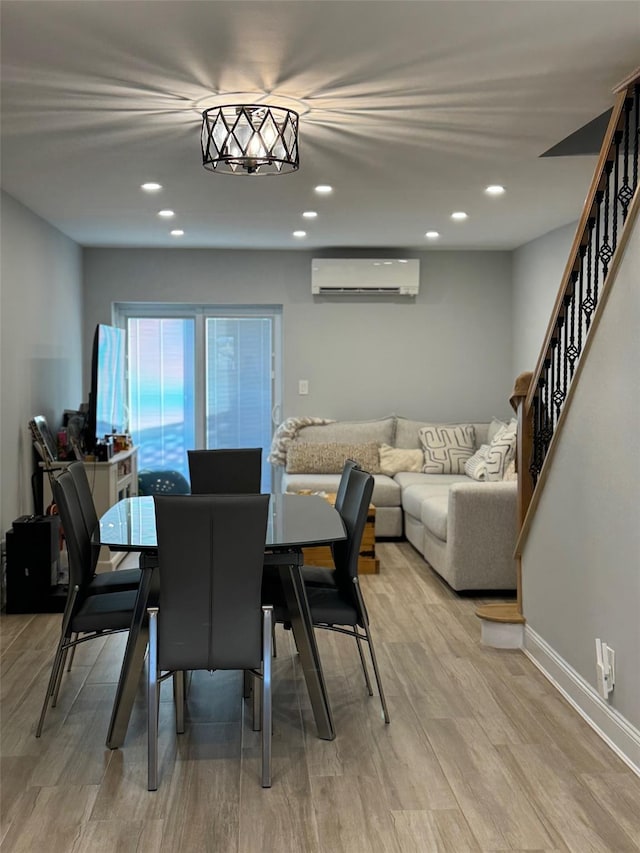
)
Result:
{"points": [[482, 754]]}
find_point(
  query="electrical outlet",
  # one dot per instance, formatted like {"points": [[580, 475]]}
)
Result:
{"points": [[303, 386], [605, 668]]}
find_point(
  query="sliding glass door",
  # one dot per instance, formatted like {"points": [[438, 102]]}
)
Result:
{"points": [[201, 377]]}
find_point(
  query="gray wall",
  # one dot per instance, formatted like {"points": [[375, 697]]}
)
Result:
{"points": [[40, 343], [581, 564], [446, 355], [537, 272]]}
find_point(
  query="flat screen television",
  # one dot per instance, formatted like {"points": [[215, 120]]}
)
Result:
{"points": [[107, 397]]}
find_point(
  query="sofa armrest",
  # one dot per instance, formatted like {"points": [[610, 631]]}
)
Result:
{"points": [[477, 509], [481, 532]]}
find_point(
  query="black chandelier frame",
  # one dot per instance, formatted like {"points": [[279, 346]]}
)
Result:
{"points": [[250, 139]]}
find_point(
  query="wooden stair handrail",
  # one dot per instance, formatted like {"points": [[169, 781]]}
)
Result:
{"points": [[581, 233], [525, 387]]}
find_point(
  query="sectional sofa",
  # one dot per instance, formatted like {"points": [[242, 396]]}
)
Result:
{"points": [[462, 524]]}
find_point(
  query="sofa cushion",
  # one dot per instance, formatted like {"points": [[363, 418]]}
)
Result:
{"points": [[351, 432], [386, 492], [414, 496], [396, 459], [407, 478], [305, 457], [433, 515], [447, 447], [476, 466], [501, 451]]}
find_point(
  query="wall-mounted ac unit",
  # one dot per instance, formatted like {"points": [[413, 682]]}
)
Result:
{"points": [[365, 276]]}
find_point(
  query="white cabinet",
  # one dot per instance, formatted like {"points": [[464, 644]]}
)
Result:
{"points": [[110, 482]]}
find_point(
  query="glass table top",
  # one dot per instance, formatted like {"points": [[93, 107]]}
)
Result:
{"points": [[294, 521]]}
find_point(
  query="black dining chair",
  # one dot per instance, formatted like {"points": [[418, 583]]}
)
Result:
{"points": [[86, 616], [234, 471], [321, 575], [209, 615], [99, 582], [340, 606]]}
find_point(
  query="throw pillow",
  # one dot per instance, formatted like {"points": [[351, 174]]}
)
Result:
{"points": [[447, 447], [511, 474], [476, 467], [396, 459], [501, 451], [309, 457], [495, 426]]}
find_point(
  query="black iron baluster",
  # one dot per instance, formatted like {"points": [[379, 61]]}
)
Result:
{"points": [[583, 251], [625, 193], [588, 304], [596, 246], [606, 251], [636, 134], [617, 139], [572, 350]]}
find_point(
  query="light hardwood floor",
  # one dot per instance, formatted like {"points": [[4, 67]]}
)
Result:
{"points": [[481, 754]]}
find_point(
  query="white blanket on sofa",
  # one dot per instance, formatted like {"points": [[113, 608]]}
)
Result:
{"points": [[286, 432]]}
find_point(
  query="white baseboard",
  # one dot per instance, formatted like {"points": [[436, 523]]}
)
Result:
{"points": [[613, 728]]}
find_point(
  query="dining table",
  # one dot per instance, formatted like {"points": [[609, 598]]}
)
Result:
{"points": [[294, 522]]}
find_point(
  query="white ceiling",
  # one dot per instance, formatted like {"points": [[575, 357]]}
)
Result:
{"points": [[408, 109]]}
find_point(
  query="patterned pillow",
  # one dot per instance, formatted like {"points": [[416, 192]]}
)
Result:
{"points": [[315, 457], [501, 451], [447, 447], [476, 467], [396, 459]]}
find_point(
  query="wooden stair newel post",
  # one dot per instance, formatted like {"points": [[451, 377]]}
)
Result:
{"points": [[496, 618]]}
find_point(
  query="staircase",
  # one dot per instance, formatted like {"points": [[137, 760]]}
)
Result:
{"points": [[542, 399]]}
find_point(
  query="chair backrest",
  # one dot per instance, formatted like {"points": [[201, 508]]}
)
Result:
{"points": [[210, 556], [234, 471], [349, 466], [80, 551], [162, 483], [83, 488], [354, 511]]}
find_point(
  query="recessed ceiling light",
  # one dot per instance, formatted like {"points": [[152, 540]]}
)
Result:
{"points": [[494, 189], [376, 263], [323, 189], [387, 263], [177, 232], [432, 235], [150, 187], [310, 214], [299, 233], [459, 215], [402, 261], [166, 214]]}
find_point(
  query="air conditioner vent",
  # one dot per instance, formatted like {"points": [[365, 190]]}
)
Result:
{"points": [[365, 277]]}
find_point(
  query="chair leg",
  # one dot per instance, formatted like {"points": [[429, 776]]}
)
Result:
{"points": [[256, 702], [363, 662], [152, 702], [178, 698], [374, 660], [51, 686], [247, 684], [58, 660], [73, 651], [59, 675], [267, 719]]}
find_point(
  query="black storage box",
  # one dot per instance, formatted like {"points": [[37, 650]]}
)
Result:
{"points": [[33, 562]]}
